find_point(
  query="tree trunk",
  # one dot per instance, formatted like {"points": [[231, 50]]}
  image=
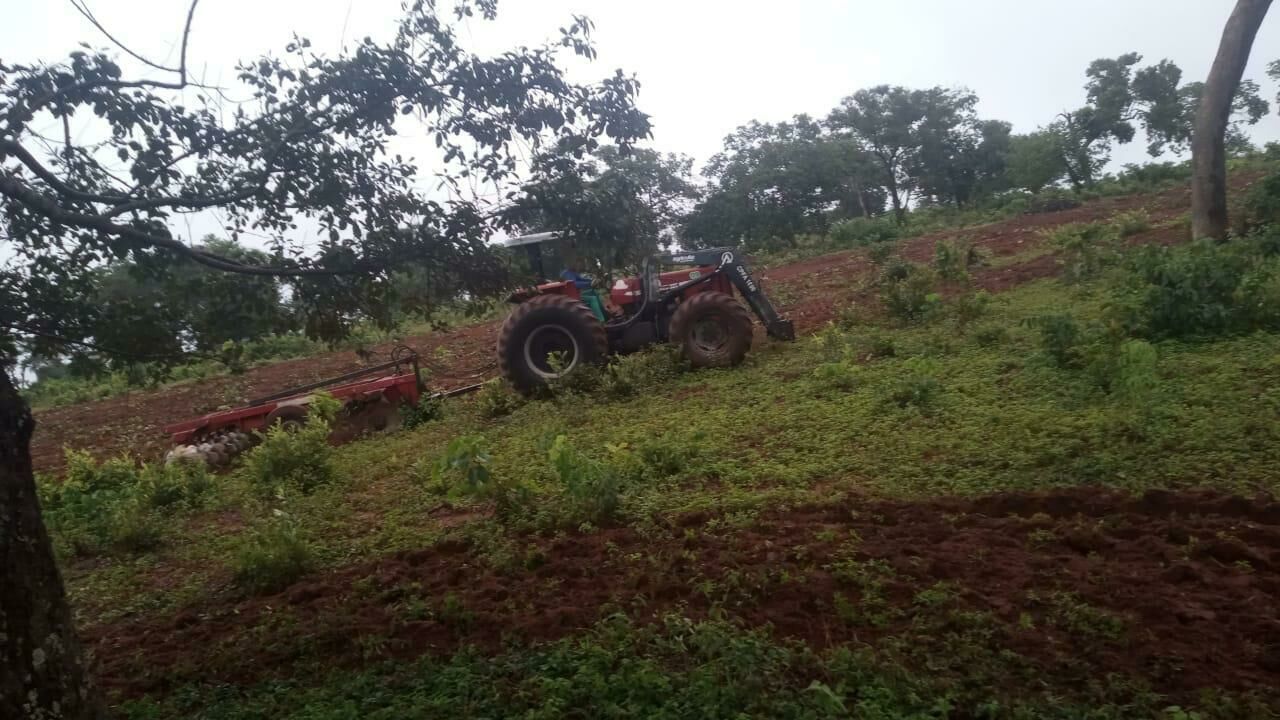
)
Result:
{"points": [[42, 673], [862, 200], [899, 212], [1208, 141]]}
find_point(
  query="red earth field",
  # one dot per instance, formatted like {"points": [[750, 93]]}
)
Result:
{"points": [[810, 292], [1176, 589]]}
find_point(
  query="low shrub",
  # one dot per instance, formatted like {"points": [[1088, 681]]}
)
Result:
{"points": [[908, 293], [917, 387], [837, 375], [1201, 289], [969, 307], [115, 505], [592, 489], [862, 231], [464, 467], [990, 335], [668, 455], [625, 375], [833, 343], [1084, 249], [1133, 376], [428, 409], [463, 471], [300, 459], [1262, 203], [1130, 223], [875, 345], [496, 399], [953, 258], [272, 556], [879, 254], [1051, 200], [1060, 339]]}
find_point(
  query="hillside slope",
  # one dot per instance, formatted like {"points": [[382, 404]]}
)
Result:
{"points": [[811, 292], [941, 514]]}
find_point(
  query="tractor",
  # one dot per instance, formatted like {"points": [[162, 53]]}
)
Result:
{"points": [[559, 325]]}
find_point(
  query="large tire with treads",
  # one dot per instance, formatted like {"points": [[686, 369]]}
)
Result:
{"points": [[712, 330], [541, 326]]}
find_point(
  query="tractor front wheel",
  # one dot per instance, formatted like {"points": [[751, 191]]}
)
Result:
{"points": [[546, 338], [712, 329]]}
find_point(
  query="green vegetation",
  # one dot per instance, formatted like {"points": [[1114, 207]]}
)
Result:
{"points": [[977, 393], [676, 668], [118, 506], [292, 459]]}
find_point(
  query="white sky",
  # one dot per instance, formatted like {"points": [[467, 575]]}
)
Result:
{"points": [[708, 66]]}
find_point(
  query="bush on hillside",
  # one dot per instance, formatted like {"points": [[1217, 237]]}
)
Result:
{"points": [[496, 399], [1051, 200], [592, 489], [1130, 223], [952, 259], [1060, 339], [862, 231], [1201, 289], [626, 375], [428, 409], [907, 291], [1084, 249], [300, 459], [272, 556], [117, 504], [1262, 203]]}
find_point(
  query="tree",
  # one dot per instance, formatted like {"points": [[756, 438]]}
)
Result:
{"points": [[928, 141], [884, 119], [313, 146], [1035, 160], [958, 156], [774, 182], [1208, 145], [1122, 96], [1273, 72], [221, 307], [176, 309], [617, 206]]}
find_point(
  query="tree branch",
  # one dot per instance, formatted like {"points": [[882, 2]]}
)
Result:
{"points": [[83, 9], [10, 147], [13, 188]]}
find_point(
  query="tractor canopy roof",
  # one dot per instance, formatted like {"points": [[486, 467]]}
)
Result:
{"points": [[531, 239]]}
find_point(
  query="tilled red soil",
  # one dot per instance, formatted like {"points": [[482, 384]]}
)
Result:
{"points": [[1175, 590], [815, 290]]}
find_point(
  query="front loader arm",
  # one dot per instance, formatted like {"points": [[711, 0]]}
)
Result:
{"points": [[732, 265], [730, 262]]}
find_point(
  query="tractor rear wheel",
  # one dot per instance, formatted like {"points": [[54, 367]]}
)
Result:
{"points": [[712, 329], [542, 327]]}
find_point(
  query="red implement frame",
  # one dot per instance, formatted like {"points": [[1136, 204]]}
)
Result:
{"points": [[401, 385]]}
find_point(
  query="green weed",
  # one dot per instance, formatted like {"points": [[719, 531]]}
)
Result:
{"points": [[952, 259], [118, 505], [272, 556], [299, 459], [593, 489], [861, 231], [1084, 249], [907, 292], [428, 409], [497, 400]]}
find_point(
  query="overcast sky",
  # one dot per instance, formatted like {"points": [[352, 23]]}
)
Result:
{"points": [[707, 66]]}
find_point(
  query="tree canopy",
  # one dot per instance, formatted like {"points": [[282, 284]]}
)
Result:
{"points": [[312, 150]]}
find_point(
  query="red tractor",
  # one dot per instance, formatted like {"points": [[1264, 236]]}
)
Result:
{"points": [[693, 307]]}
